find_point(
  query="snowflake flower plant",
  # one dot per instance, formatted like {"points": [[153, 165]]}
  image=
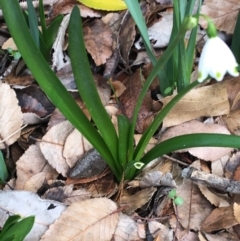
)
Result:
{"points": [[216, 58]]}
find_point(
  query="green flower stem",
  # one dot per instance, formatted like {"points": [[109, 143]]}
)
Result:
{"points": [[211, 28], [49, 82], [166, 55]]}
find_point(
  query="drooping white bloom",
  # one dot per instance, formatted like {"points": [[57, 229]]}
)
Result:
{"points": [[216, 59]]}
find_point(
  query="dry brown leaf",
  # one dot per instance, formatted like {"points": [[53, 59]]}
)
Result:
{"points": [[137, 200], [160, 231], [223, 13], [151, 143], [34, 183], [195, 207], [205, 101], [127, 34], [103, 88], [236, 211], [201, 237], [219, 218], [233, 121], [33, 100], [130, 97], [93, 219], [75, 146], [9, 44], [126, 230], [221, 236], [31, 163], [218, 166], [66, 6], [159, 33], [179, 231], [52, 146], [66, 194], [191, 127], [98, 41], [56, 118], [157, 178], [216, 200], [11, 117], [232, 165], [118, 87], [102, 187], [233, 89]]}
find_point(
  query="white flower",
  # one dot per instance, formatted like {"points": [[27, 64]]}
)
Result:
{"points": [[216, 59]]}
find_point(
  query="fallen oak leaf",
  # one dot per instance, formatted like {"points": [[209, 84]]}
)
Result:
{"points": [[92, 219]]}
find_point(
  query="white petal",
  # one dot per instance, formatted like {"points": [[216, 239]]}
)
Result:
{"points": [[204, 62], [216, 59]]}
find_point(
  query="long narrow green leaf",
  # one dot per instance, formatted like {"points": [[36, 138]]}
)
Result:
{"points": [[182, 9], [135, 10], [168, 52], [42, 17], [8, 224], [188, 141], [46, 78], [51, 32], [20, 229], [235, 42], [192, 39], [183, 78], [190, 7], [191, 140], [3, 169], [33, 23], [86, 85], [123, 132]]}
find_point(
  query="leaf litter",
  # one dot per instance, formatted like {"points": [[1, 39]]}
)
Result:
{"points": [[89, 204]]}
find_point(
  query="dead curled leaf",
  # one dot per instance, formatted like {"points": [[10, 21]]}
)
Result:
{"points": [[11, 117], [98, 41]]}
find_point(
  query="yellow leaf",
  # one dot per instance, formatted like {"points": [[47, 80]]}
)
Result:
{"points": [[108, 5]]}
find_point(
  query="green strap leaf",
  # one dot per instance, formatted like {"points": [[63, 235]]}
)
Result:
{"points": [[20, 229], [33, 23], [9, 223], [86, 85], [191, 140], [123, 145], [3, 169], [187, 141]]}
